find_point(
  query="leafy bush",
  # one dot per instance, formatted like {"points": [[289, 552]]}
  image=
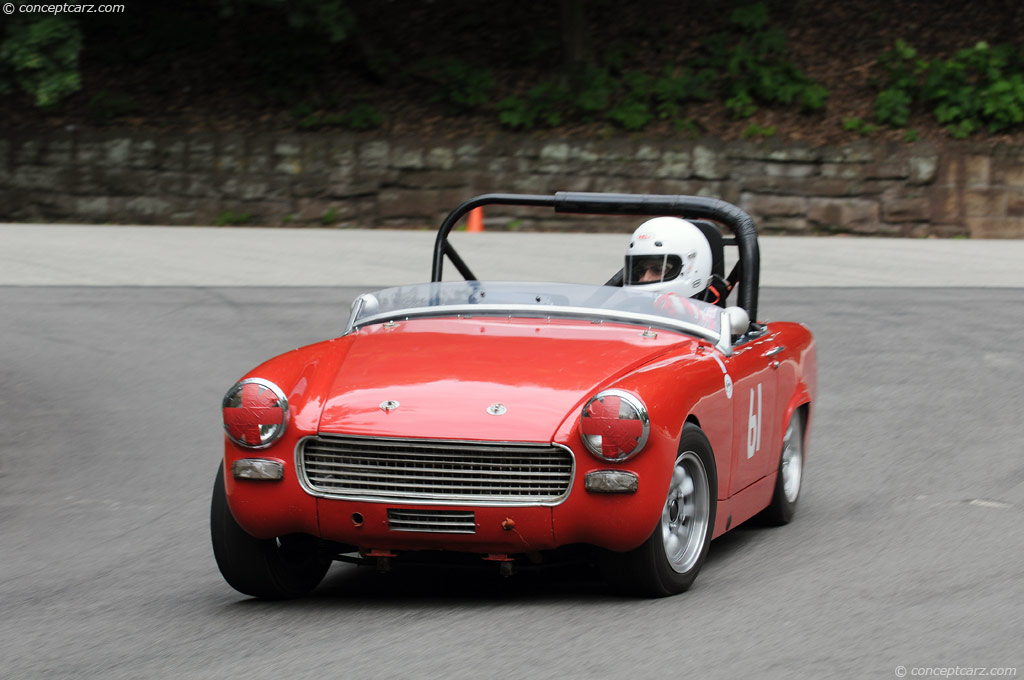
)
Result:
{"points": [[753, 69], [461, 86], [39, 53], [543, 104], [744, 67], [980, 87], [230, 218]]}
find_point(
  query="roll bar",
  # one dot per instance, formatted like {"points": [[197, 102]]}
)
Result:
{"points": [[589, 203]]}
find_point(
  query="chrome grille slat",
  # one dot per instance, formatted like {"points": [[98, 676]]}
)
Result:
{"points": [[432, 521], [338, 466]]}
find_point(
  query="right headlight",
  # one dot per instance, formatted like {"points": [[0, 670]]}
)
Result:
{"points": [[614, 425]]}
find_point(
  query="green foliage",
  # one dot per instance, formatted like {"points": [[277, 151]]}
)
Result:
{"points": [[980, 87], [329, 217], [755, 130], [39, 53], [230, 218], [752, 67], [542, 106], [461, 86], [860, 126], [744, 67], [361, 116]]}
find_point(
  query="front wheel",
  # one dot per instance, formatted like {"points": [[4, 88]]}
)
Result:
{"points": [[272, 569], [668, 562]]}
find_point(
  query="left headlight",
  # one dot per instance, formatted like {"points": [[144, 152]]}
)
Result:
{"points": [[255, 413], [614, 425]]}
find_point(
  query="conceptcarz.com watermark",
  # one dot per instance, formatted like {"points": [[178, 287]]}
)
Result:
{"points": [[954, 672], [63, 8]]}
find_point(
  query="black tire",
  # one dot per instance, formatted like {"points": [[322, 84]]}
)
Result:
{"points": [[791, 462], [649, 570], [271, 569]]}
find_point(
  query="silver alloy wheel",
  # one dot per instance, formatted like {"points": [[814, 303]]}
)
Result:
{"points": [[684, 520], [792, 460]]}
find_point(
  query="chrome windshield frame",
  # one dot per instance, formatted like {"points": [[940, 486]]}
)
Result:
{"points": [[539, 312]]}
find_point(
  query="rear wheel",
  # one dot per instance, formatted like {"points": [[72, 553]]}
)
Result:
{"points": [[668, 562], [273, 569], [791, 473]]}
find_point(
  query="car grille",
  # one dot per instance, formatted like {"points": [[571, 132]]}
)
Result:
{"points": [[435, 470], [432, 521]]}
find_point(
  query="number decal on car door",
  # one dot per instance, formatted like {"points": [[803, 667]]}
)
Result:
{"points": [[754, 424]]}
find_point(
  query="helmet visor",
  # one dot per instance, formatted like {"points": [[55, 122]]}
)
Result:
{"points": [[641, 269]]}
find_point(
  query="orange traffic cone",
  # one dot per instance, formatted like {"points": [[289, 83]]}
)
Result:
{"points": [[475, 221]]}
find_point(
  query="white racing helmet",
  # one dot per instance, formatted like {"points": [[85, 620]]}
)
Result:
{"points": [[668, 254]]}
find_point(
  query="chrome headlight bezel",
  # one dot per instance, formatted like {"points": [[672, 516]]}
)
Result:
{"points": [[635, 426], [267, 432]]}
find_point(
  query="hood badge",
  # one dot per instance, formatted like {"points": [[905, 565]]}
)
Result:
{"points": [[389, 405], [497, 409]]}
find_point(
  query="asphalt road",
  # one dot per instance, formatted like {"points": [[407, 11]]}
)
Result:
{"points": [[906, 550]]}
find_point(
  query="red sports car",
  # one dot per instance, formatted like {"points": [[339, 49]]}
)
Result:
{"points": [[516, 423]]}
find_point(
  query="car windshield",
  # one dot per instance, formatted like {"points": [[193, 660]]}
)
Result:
{"points": [[632, 305]]}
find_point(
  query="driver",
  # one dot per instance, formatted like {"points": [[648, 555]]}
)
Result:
{"points": [[670, 255]]}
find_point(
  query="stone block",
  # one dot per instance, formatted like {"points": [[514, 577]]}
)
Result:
{"points": [[172, 154], [287, 157], [306, 185], [26, 152], [406, 203], [29, 177], [437, 179], [1007, 174], [407, 158], [647, 152], [143, 154], [945, 204], [116, 153], [230, 155], [985, 202], [674, 165], [201, 153], [784, 225], [57, 150], [440, 158], [145, 209], [764, 205], [374, 154], [906, 209], [709, 163], [892, 168], [93, 208], [996, 227], [977, 171], [796, 170], [923, 168], [1015, 202], [842, 170], [850, 214], [858, 152]]}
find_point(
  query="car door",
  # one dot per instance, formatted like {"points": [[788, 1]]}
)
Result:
{"points": [[755, 382]]}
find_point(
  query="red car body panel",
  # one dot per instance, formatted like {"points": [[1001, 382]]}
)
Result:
{"points": [[445, 372]]}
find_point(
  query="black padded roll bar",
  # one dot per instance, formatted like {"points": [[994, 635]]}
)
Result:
{"points": [[697, 207]]}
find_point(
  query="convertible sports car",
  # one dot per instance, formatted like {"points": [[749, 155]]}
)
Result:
{"points": [[517, 423]]}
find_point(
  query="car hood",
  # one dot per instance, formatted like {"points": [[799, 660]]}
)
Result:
{"points": [[440, 378]]}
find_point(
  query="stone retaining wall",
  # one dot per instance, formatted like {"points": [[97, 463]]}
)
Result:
{"points": [[353, 180]]}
